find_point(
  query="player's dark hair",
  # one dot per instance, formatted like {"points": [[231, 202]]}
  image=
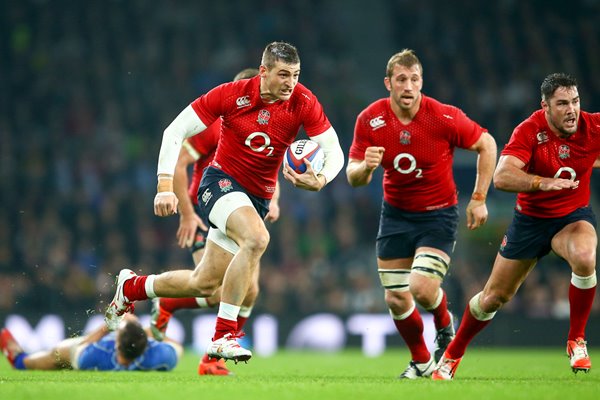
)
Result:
{"points": [[245, 74], [406, 58], [553, 82], [279, 51], [132, 340]]}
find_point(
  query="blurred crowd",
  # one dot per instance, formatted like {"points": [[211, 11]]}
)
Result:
{"points": [[86, 89]]}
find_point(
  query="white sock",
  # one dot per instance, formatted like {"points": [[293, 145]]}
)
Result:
{"points": [[403, 316], [245, 311], [228, 311], [202, 302], [583, 282], [438, 300], [149, 286], [476, 310]]}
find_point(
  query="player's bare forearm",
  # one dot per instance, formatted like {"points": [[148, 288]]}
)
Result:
{"points": [[358, 174], [597, 163], [189, 221], [180, 183], [486, 163], [477, 213], [510, 177], [277, 193], [274, 211]]}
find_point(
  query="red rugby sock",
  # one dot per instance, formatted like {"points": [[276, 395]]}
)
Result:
{"points": [[135, 289], [223, 327], [411, 330], [468, 329], [170, 305], [441, 317], [580, 304]]}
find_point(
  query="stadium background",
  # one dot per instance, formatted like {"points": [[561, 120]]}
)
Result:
{"points": [[86, 89]]}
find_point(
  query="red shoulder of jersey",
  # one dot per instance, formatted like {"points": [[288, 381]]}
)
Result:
{"points": [[230, 95], [465, 132], [314, 120], [371, 119], [525, 135]]}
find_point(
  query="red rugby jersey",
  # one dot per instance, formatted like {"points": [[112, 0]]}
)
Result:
{"points": [[418, 157], [255, 134], [547, 155]]}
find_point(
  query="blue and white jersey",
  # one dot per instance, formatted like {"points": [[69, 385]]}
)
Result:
{"points": [[102, 356]]}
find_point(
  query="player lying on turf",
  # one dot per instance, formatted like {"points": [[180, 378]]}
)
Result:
{"points": [[127, 349]]}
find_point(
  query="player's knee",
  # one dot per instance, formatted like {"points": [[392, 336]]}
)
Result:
{"points": [[397, 300], [493, 301], [257, 242], [203, 286], [422, 295], [583, 261], [203, 291]]}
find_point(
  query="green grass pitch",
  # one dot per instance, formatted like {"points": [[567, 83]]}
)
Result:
{"points": [[513, 373]]}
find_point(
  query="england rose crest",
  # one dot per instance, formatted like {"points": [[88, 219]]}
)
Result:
{"points": [[225, 185], [564, 151], [405, 137], [263, 117], [503, 244]]}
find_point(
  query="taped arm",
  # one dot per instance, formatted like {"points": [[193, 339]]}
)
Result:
{"points": [[334, 156], [186, 124]]}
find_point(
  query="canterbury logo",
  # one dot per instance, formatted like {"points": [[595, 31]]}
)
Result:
{"points": [[377, 122], [243, 101]]}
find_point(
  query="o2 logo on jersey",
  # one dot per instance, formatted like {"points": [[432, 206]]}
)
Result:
{"points": [[255, 138], [412, 166], [568, 170], [564, 152]]}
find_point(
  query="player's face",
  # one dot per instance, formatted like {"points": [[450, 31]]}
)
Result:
{"points": [[278, 82], [405, 86], [562, 110]]}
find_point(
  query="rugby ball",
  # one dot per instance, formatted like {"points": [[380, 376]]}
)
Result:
{"points": [[302, 150]]}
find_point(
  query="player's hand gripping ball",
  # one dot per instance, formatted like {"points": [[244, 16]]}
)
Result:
{"points": [[301, 150]]}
